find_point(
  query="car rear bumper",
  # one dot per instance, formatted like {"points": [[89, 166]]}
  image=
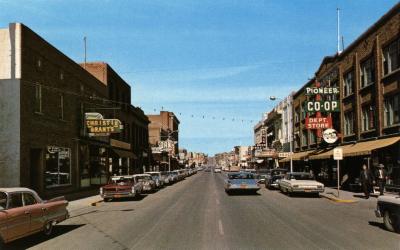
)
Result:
{"points": [[303, 190], [255, 188], [117, 195]]}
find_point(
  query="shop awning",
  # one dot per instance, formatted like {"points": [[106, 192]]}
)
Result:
{"points": [[365, 148], [124, 153], [298, 156], [361, 148]]}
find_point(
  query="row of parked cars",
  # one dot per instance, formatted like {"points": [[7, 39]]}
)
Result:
{"points": [[23, 212], [129, 186]]}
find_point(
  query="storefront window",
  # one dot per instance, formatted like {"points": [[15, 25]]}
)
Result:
{"points": [[93, 165], [58, 167]]}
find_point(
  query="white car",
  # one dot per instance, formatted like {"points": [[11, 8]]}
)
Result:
{"points": [[217, 170], [299, 182]]}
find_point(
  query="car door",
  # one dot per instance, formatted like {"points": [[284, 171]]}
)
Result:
{"points": [[18, 222], [36, 211]]}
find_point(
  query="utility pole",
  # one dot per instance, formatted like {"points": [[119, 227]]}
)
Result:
{"points": [[84, 45]]}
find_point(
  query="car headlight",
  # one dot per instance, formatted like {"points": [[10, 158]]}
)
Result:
{"points": [[101, 190]]}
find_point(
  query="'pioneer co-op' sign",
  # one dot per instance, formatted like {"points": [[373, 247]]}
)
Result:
{"points": [[322, 106]]}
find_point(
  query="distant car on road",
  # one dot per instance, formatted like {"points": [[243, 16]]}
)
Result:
{"points": [[300, 182], [124, 186], [217, 170], [273, 177], [388, 207], [23, 212], [244, 181]]}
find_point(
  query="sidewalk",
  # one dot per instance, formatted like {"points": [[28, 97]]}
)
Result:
{"points": [[83, 203], [347, 196]]}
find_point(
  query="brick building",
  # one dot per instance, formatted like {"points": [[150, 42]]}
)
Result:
{"points": [[44, 96], [368, 75]]}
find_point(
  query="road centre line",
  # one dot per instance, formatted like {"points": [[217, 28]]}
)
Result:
{"points": [[220, 227]]}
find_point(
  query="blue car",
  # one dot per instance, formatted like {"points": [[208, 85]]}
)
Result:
{"points": [[244, 181]]}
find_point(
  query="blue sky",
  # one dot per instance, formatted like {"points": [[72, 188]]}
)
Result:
{"points": [[217, 59]]}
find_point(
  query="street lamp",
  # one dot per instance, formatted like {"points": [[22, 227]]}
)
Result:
{"points": [[273, 98]]}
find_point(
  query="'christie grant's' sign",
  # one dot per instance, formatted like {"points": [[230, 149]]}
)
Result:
{"points": [[96, 125]]}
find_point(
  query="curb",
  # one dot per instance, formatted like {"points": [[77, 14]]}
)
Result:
{"points": [[337, 199], [93, 204]]}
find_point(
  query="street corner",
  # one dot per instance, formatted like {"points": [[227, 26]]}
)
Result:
{"points": [[331, 197]]}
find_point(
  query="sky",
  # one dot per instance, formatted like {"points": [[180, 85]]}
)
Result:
{"points": [[214, 63]]}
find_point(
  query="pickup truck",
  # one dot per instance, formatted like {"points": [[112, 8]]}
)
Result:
{"points": [[388, 207], [23, 212]]}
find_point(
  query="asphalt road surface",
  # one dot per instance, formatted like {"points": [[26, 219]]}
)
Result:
{"points": [[197, 214]]}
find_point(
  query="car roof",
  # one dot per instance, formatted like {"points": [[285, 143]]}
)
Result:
{"points": [[141, 175], [15, 189]]}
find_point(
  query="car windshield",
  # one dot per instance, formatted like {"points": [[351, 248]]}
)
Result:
{"points": [[304, 176], [120, 181], [143, 177], [241, 176], [3, 200]]}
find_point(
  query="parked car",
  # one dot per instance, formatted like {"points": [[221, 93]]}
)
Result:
{"points": [[273, 177], [299, 182], [166, 177], [217, 170], [23, 212], [157, 178], [124, 186], [241, 181], [147, 182], [388, 207], [174, 176]]}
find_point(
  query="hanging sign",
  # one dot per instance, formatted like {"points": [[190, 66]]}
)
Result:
{"points": [[330, 135], [322, 106], [318, 122], [322, 91], [96, 125]]}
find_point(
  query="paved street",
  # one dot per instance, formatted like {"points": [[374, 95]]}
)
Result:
{"points": [[197, 214]]}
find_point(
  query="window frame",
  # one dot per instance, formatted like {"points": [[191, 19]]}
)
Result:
{"points": [[370, 62]]}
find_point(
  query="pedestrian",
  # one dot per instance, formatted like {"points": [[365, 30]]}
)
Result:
{"points": [[381, 176], [366, 179]]}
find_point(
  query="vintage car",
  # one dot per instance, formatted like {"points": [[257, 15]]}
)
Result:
{"points": [[166, 177], [299, 182], [124, 186], [217, 170], [148, 184], [388, 207], [23, 212], [244, 181], [157, 178], [273, 177]]}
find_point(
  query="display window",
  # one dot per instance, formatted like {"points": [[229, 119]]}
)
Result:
{"points": [[58, 167]]}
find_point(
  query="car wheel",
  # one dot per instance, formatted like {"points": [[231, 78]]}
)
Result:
{"points": [[389, 221], [48, 228]]}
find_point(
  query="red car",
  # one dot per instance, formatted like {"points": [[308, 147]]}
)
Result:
{"points": [[23, 213], [126, 186]]}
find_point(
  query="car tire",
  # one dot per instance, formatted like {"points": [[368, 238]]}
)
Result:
{"points": [[48, 228], [389, 221], [107, 199]]}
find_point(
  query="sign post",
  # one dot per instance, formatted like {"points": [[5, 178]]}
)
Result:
{"points": [[338, 155]]}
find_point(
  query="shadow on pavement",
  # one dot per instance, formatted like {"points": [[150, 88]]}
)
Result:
{"points": [[242, 192], [377, 224], [137, 198], [38, 238]]}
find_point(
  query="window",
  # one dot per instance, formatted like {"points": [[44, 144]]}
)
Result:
{"points": [[38, 98], [391, 57], [15, 200], [3, 201], [348, 123], [304, 141], [58, 167], [29, 199], [367, 72], [348, 83], [61, 107], [313, 137], [368, 121], [391, 112], [297, 116]]}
